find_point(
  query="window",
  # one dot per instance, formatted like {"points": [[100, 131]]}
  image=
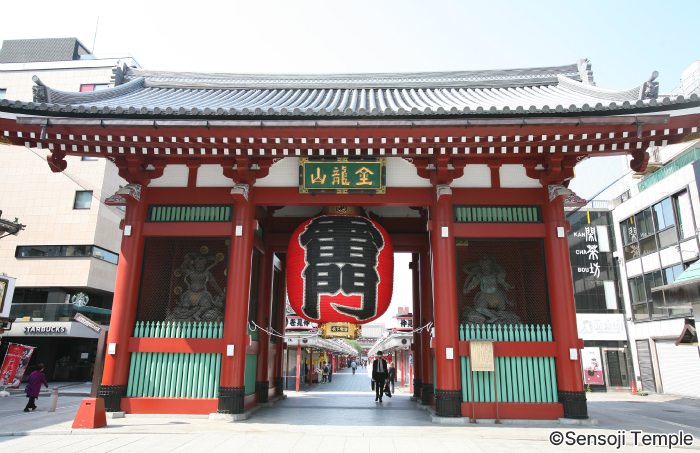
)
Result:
{"points": [[686, 225], [88, 158], [83, 199], [44, 251], [105, 255], [93, 87], [658, 227], [3, 92]]}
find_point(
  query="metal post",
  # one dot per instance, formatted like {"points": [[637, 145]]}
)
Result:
{"points": [[97, 373], [54, 399], [298, 364], [495, 386]]}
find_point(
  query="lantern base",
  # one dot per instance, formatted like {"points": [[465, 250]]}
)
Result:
{"points": [[347, 330]]}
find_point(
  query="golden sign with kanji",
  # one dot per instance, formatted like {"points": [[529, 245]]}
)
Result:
{"points": [[342, 175]]}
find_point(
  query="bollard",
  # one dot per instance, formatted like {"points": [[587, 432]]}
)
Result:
{"points": [[54, 399]]}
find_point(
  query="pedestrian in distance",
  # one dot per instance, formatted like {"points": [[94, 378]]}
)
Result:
{"points": [[380, 373], [330, 372], [392, 378], [353, 365], [319, 370], [325, 372], [34, 386]]}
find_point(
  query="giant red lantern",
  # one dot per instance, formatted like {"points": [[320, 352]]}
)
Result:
{"points": [[340, 268]]}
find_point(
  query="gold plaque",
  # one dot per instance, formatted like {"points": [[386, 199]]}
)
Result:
{"points": [[339, 330], [481, 355]]}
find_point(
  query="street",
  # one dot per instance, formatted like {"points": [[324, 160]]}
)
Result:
{"points": [[337, 416]]}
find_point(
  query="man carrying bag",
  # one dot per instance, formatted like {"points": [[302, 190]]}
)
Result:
{"points": [[380, 373]]}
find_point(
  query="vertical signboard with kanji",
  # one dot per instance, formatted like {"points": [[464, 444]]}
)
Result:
{"points": [[15, 363]]}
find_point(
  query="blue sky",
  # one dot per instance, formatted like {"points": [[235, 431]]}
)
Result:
{"points": [[625, 40]]}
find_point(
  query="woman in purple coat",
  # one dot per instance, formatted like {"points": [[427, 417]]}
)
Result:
{"points": [[34, 386]]}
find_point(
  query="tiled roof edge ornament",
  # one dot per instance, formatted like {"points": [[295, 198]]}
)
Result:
{"points": [[650, 88], [118, 73], [574, 200], [115, 200], [132, 190], [40, 92], [9, 227], [585, 72]]}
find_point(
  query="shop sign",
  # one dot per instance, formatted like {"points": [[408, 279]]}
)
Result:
{"points": [[592, 366], [342, 175], [87, 322], [80, 299], [35, 330], [606, 327], [591, 251]]}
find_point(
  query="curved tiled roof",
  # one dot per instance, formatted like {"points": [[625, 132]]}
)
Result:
{"points": [[521, 92]]}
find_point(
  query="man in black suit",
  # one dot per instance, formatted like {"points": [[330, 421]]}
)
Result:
{"points": [[380, 372]]}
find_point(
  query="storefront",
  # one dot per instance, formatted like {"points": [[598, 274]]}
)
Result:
{"points": [[605, 357], [67, 349]]}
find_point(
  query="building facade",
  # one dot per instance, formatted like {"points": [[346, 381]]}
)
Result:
{"points": [[656, 229], [65, 260], [469, 176]]}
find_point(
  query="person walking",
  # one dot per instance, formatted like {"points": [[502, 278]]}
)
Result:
{"points": [[325, 372], [34, 386], [379, 374], [330, 372], [320, 373], [353, 365], [392, 378]]}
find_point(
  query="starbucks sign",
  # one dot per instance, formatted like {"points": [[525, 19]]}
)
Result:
{"points": [[80, 299]]}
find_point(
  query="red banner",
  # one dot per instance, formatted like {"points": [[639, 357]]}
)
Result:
{"points": [[16, 361]]}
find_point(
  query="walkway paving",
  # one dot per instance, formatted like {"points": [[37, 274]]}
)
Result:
{"points": [[337, 417]]}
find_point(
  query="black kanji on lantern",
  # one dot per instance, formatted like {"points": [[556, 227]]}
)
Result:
{"points": [[342, 253]]}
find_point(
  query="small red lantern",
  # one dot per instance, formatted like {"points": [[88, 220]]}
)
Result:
{"points": [[340, 268]]}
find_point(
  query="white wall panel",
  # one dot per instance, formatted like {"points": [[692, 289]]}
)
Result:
{"points": [[651, 262], [474, 176], [515, 176], [173, 176], [402, 173], [669, 256], [634, 267], [213, 176], [689, 249], [283, 173]]}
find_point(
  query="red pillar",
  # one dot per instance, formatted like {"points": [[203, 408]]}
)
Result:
{"points": [[448, 393], [232, 386], [262, 375], [426, 316], [126, 294], [281, 322], [416, 348], [563, 310]]}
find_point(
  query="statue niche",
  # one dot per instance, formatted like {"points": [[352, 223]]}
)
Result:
{"points": [[491, 302], [197, 303]]}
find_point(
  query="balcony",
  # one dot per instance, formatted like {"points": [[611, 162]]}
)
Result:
{"points": [[58, 312]]}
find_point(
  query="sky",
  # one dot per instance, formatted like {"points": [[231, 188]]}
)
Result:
{"points": [[624, 40]]}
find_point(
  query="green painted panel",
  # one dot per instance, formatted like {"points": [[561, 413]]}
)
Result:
{"points": [[251, 366]]}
